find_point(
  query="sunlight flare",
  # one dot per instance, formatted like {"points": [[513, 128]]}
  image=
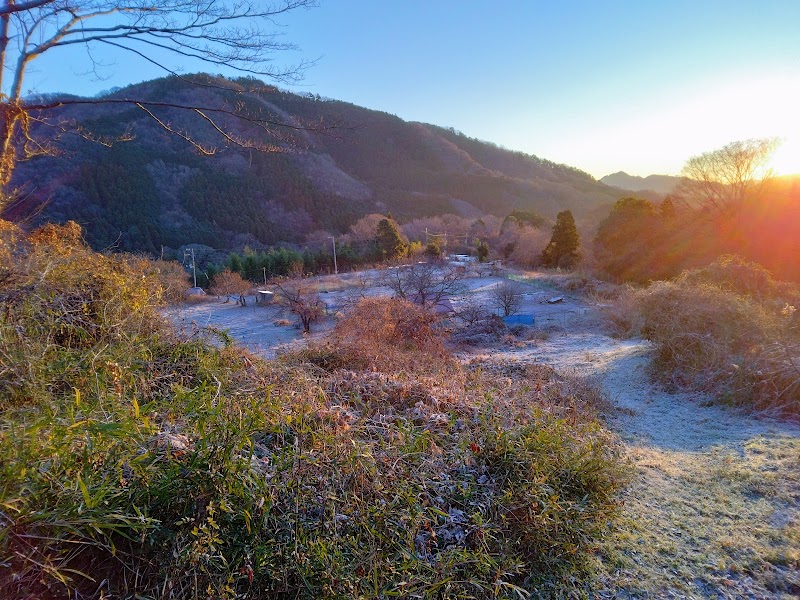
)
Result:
{"points": [[786, 160]]}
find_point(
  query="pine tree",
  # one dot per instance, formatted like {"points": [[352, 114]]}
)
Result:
{"points": [[391, 242], [562, 251], [483, 250]]}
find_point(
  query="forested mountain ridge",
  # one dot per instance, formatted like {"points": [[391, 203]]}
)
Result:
{"points": [[661, 184], [155, 191]]}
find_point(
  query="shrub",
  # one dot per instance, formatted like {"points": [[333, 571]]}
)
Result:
{"points": [[384, 334], [719, 329], [173, 278], [155, 467], [732, 273], [60, 299], [433, 250], [229, 283]]}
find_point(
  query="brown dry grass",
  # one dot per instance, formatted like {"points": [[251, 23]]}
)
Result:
{"points": [[728, 329]]}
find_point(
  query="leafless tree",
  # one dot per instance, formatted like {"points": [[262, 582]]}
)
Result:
{"points": [[507, 296], [236, 34], [528, 246], [227, 283], [472, 313], [303, 302], [424, 283], [364, 229], [723, 180]]}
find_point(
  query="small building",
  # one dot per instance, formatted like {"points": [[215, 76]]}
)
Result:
{"points": [[265, 297]]}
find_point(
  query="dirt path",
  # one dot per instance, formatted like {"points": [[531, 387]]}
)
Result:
{"points": [[714, 508]]}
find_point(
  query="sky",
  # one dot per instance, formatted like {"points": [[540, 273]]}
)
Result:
{"points": [[603, 86]]}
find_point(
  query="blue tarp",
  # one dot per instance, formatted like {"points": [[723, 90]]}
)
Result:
{"points": [[518, 320]]}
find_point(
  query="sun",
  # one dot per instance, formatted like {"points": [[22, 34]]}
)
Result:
{"points": [[786, 160]]}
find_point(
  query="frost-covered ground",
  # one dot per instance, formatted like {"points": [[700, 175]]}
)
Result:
{"points": [[714, 508]]}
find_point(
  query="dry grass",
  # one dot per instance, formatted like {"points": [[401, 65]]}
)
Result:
{"points": [[724, 329], [721, 524], [375, 466]]}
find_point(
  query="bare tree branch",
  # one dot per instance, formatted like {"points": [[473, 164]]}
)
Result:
{"points": [[10, 8], [236, 34], [721, 181]]}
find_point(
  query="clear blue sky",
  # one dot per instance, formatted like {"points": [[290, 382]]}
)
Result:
{"points": [[604, 86]]}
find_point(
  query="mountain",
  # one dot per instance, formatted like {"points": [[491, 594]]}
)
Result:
{"points": [[156, 191], [661, 184]]}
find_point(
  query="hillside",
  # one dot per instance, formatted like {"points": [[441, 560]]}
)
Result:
{"points": [[156, 191], [661, 184]]}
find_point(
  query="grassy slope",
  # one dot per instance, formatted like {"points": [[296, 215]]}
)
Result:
{"points": [[377, 466]]}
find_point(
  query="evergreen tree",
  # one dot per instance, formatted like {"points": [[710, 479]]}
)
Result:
{"points": [[629, 245], [432, 250], [562, 251], [483, 250], [234, 263], [391, 243]]}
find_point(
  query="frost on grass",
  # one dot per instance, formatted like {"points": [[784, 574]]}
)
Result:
{"points": [[373, 466], [712, 524]]}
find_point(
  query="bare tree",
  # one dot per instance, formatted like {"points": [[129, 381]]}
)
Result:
{"points": [[227, 283], [424, 283], [236, 34], [473, 312], [507, 296], [721, 181], [528, 246], [303, 302], [364, 229]]}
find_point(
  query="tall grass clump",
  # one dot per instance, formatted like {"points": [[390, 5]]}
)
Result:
{"points": [[137, 464], [728, 328]]}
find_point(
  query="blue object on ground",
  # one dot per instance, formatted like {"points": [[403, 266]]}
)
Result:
{"points": [[518, 320]]}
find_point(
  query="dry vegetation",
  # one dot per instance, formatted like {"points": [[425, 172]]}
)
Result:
{"points": [[137, 463], [716, 524], [727, 328]]}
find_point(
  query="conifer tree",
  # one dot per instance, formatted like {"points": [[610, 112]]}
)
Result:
{"points": [[391, 242], [562, 251], [483, 250]]}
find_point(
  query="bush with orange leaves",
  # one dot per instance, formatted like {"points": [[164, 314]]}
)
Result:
{"points": [[383, 334]]}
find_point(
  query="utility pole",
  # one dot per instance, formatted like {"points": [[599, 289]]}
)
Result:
{"points": [[194, 271], [335, 266]]}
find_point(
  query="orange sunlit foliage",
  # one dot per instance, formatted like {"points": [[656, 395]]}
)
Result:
{"points": [[639, 242], [772, 229]]}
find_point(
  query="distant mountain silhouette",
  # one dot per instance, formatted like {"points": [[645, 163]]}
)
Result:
{"points": [[661, 184], [155, 190]]}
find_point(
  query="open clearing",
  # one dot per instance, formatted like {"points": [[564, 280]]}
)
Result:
{"points": [[714, 508]]}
